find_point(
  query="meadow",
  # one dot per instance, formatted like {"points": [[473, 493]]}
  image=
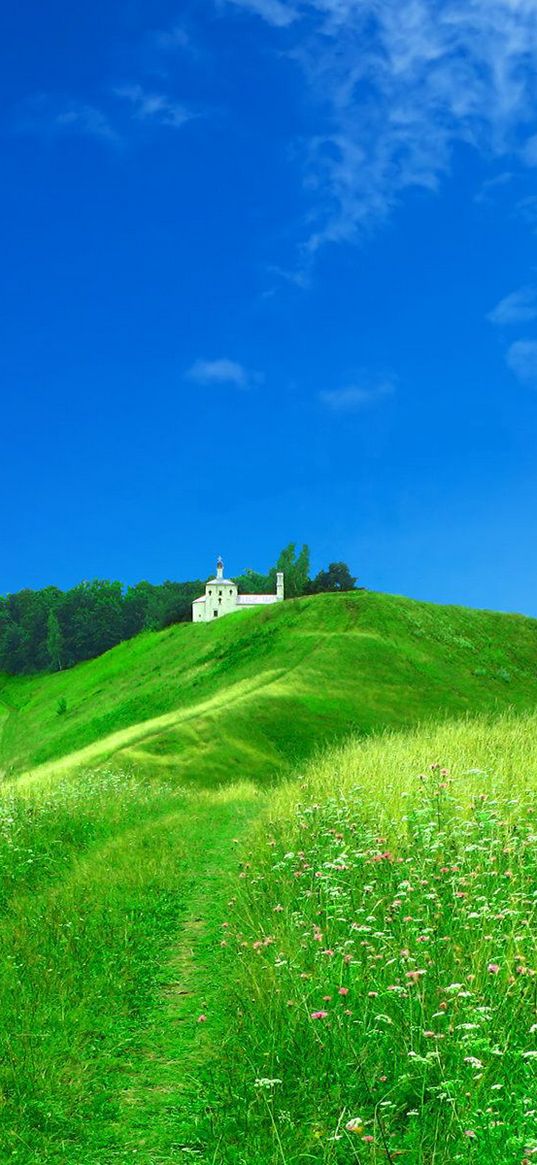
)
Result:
{"points": [[383, 939], [268, 893]]}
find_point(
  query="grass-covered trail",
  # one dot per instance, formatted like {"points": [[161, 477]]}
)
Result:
{"points": [[168, 1108], [111, 946]]}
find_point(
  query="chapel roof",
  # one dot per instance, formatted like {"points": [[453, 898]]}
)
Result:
{"points": [[253, 600]]}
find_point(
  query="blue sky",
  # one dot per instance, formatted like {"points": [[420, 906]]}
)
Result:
{"points": [[269, 274]]}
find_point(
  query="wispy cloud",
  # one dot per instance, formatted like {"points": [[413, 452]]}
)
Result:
{"points": [[279, 13], [157, 107], [353, 397], [517, 308], [401, 84], [522, 360], [526, 209], [223, 371], [491, 187], [48, 116], [172, 38]]}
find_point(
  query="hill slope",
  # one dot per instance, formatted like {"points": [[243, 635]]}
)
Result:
{"points": [[254, 693]]}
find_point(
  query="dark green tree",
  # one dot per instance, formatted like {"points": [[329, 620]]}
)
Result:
{"points": [[337, 578], [54, 641], [250, 582], [295, 566]]}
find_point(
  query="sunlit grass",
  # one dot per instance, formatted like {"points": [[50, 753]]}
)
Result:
{"points": [[384, 941], [99, 875]]}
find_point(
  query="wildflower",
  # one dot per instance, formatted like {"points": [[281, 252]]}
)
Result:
{"points": [[278, 908], [368, 1139], [327, 998], [343, 991], [202, 1019], [265, 1082], [473, 1061], [493, 968], [319, 1014], [356, 1125], [469, 1133]]}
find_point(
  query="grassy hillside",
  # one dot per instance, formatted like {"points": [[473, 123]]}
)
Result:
{"points": [[384, 953], [166, 943], [254, 693]]}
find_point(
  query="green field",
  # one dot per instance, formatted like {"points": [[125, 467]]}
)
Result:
{"points": [[213, 834]]}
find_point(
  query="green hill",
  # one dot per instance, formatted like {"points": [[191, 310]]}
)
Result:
{"points": [[256, 692], [161, 902]]}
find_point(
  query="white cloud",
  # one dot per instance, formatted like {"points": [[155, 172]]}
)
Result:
{"points": [[53, 117], [276, 12], [522, 360], [356, 396], [402, 83], [172, 39], [518, 308], [526, 209], [529, 151], [223, 371], [492, 185], [154, 106]]}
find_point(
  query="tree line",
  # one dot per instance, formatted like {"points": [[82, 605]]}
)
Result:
{"points": [[51, 629]]}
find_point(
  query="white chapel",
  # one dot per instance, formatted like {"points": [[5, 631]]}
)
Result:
{"points": [[222, 598]]}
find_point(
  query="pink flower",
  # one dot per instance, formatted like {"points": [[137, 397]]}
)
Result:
{"points": [[202, 1019], [493, 968], [319, 1014], [343, 991], [369, 1139], [469, 1133]]}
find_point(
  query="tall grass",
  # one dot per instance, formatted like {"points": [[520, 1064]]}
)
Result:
{"points": [[99, 876], [384, 945]]}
